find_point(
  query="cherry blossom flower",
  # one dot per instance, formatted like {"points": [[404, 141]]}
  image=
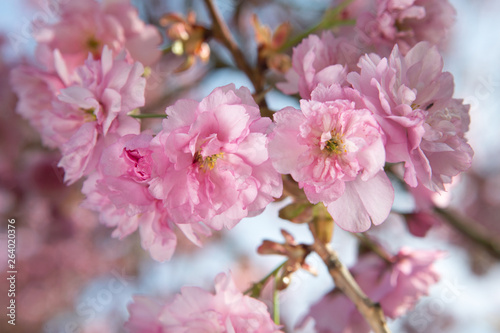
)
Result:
{"points": [[211, 160], [334, 149], [87, 26], [382, 24], [196, 310], [411, 98], [119, 191], [316, 60], [92, 112], [37, 91], [397, 286]]}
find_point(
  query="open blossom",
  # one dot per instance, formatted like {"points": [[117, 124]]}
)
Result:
{"points": [[411, 98], [92, 112], [119, 191], [404, 22], [334, 148], [196, 310], [396, 286], [211, 160], [316, 60], [87, 26]]}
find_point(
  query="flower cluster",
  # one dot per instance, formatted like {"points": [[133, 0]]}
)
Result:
{"points": [[375, 108], [208, 166], [395, 109]]}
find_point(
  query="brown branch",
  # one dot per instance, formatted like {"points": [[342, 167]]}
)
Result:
{"points": [[471, 230], [221, 32], [345, 282]]}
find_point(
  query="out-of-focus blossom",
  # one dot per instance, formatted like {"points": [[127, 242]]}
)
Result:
{"points": [[334, 149], [382, 24], [411, 98], [88, 26], [318, 60], [397, 286], [211, 160], [82, 114], [196, 310], [334, 313], [144, 315]]}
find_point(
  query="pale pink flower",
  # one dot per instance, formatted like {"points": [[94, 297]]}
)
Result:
{"points": [[37, 91], [196, 310], [211, 160], [334, 313], [397, 286], [119, 191], [334, 149], [144, 315], [405, 23], [92, 113], [411, 98], [87, 26], [316, 60]]}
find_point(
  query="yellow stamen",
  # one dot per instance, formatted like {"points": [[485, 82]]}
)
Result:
{"points": [[207, 163]]}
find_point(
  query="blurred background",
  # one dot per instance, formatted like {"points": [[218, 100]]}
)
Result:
{"points": [[73, 277]]}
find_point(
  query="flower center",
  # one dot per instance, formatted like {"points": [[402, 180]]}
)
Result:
{"points": [[93, 45], [335, 145], [89, 114], [207, 163]]}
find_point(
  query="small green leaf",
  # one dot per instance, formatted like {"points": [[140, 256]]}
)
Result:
{"points": [[297, 212]]}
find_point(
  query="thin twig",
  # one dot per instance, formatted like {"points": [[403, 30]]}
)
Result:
{"points": [[471, 230], [222, 33], [345, 282]]}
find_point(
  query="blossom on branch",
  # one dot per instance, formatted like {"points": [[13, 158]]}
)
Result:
{"points": [[211, 160], [411, 98], [334, 148], [87, 26]]}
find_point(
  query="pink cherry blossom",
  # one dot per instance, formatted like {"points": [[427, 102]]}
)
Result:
{"points": [[334, 149], [87, 26], [211, 160], [119, 191], [411, 98], [92, 113], [196, 310], [144, 315], [397, 286], [405, 23], [83, 112], [316, 60], [334, 313], [37, 91]]}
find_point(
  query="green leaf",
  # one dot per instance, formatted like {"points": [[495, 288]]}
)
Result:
{"points": [[297, 212]]}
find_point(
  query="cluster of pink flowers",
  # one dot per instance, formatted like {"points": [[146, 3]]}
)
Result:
{"points": [[364, 108], [410, 117], [208, 166], [197, 310]]}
